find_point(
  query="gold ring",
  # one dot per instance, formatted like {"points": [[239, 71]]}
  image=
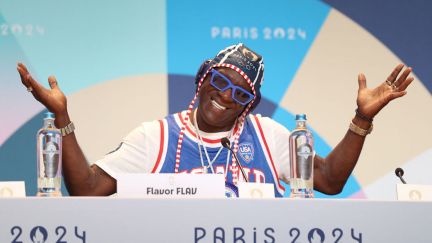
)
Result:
{"points": [[389, 83]]}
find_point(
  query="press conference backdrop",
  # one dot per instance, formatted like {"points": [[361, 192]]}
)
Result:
{"points": [[122, 63]]}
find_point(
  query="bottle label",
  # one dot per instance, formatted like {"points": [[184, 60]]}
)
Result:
{"points": [[304, 161], [304, 151], [51, 159], [50, 149]]}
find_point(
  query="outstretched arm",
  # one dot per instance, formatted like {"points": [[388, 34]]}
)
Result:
{"points": [[332, 172], [80, 179]]}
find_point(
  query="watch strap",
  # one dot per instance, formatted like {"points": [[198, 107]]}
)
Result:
{"points": [[360, 131], [68, 129]]}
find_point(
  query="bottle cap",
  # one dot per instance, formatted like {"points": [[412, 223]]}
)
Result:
{"points": [[49, 115], [301, 117]]}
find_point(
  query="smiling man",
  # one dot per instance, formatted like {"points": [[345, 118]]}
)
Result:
{"points": [[227, 90]]}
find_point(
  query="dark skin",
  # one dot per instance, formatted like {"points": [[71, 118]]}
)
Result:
{"points": [[216, 119], [330, 173]]}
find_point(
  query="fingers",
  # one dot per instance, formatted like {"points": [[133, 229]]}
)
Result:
{"points": [[32, 85], [395, 73], [20, 64], [362, 81], [24, 74], [401, 83], [405, 84], [402, 77], [22, 70], [53, 82]]}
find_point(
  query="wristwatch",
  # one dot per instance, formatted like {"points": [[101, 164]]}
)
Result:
{"points": [[360, 131], [68, 129]]}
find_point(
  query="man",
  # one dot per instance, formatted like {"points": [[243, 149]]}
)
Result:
{"points": [[228, 88]]}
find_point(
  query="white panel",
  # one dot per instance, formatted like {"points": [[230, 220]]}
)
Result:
{"points": [[206, 221]]}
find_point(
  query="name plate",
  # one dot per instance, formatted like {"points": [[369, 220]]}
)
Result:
{"points": [[414, 192], [171, 185], [255, 190], [12, 189]]}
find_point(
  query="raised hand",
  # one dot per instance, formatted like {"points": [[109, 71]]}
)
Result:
{"points": [[371, 101], [53, 99]]}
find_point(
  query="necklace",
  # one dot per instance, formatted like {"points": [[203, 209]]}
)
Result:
{"points": [[201, 143]]}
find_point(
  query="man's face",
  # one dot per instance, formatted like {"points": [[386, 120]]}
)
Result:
{"points": [[217, 111]]}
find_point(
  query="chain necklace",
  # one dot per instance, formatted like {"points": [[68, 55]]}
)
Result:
{"points": [[201, 143]]}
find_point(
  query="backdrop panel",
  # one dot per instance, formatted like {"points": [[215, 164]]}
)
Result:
{"points": [[135, 61]]}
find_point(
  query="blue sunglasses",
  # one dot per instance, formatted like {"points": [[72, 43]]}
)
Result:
{"points": [[222, 83]]}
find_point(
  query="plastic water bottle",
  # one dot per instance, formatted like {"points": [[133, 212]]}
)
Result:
{"points": [[301, 146], [49, 158]]}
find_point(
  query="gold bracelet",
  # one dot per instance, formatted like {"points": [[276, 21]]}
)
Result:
{"points": [[360, 131], [68, 129]]}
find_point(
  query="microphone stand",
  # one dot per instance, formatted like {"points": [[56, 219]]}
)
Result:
{"points": [[226, 144]]}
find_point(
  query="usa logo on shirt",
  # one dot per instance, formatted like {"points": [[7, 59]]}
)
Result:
{"points": [[246, 151]]}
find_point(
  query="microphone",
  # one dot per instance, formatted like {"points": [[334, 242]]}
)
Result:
{"points": [[226, 144], [399, 173]]}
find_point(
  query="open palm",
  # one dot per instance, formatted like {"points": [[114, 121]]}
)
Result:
{"points": [[371, 101], [53, 99]]}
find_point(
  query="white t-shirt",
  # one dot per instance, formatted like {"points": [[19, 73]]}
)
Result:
{"points": [[139, 150]]}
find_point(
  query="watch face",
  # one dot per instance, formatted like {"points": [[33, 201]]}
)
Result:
{"points": [[230, 190]]}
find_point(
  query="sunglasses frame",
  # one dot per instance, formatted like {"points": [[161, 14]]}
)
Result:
{"points": [[230, 86]]}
